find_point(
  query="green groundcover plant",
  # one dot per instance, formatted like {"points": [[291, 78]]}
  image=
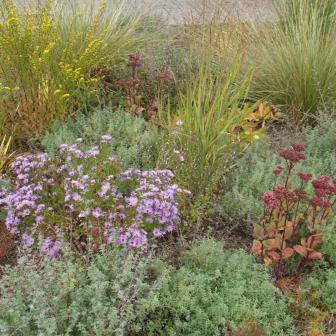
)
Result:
{"points": [[63, 297], [215, 292], [133, 141], [320, 289]]}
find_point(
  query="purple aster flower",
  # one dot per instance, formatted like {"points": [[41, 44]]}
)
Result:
{"points": [[25, 213], [97, 213], [132, 201], [170, 228], [157, 233], [40, 208], [76, 197], [105, 139], [122, 239], [104, 189], [39, 219], [27, 240], [51, 248], [84, 213]]}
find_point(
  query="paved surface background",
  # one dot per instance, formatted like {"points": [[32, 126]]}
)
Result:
{"points": [[181, 10], [177, 11]]}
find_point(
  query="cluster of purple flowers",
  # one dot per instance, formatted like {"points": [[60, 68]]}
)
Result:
{"points": [[83, 195]]}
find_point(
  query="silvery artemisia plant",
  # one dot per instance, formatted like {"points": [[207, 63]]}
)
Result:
{"points": [[82, 197]]}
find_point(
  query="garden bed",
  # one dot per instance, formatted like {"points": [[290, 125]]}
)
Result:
{"points": [[160, 179]]}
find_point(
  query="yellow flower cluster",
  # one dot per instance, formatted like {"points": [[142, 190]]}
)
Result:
{"points": [[48, 55]]}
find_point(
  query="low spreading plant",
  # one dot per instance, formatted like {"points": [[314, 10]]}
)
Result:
{"points": [[217, 292], [134, 142], [314, 301], [293, 221], [84, 198], [109, 296], [320, 288], [214, 292]]}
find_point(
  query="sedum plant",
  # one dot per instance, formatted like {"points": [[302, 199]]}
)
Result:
{"points": [[253, 172], [293, 221], [84, 198]]}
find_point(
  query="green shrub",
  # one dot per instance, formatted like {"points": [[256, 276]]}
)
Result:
{"points": [[296, 58], [68, 298], [214, 292], [329, 245], [254, 172], [132, 141], [49, 51], [321, 289]]}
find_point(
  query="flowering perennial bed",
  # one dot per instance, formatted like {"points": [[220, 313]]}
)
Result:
{"points": [[84, 198]]}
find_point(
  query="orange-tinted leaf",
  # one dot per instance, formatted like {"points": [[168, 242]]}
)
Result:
{"points": [[268, 261], [314, 240], [310, 219], [258, 231], [289, 223], [287, 252], [270, 244], [274, 255], [301, 250], [270, 229], [328, 213], [257, 247], [315, 255], [288, 232]]}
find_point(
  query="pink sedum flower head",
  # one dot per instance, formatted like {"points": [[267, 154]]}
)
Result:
{"points": [[305, 177]]}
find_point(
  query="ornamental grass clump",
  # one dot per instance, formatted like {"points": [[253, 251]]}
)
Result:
{"points": [[296, 58], [294, 220], [207, 125], [82, 197]]}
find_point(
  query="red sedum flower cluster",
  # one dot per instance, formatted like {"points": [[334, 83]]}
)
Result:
{"points": [[294, 219]]}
